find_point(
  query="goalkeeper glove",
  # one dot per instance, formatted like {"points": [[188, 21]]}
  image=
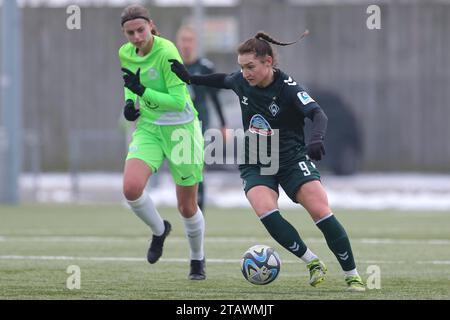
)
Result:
{"points": [[133, 81], [129, 112], [180, 70], [315, 150]]}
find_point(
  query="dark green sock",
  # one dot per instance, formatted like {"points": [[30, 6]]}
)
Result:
{"points": [[338, 242], [201, 197], [284, 233]]}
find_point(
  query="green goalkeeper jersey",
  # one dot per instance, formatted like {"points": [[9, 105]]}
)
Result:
{"points": [[166, 99]]}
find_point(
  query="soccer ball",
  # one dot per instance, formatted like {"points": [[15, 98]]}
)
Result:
{"points": [[260, 264]]}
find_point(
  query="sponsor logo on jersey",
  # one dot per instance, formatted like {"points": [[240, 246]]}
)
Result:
{"points": [[244, 100], [150, 105], [274, 108], [304, 97], [260, 126]]}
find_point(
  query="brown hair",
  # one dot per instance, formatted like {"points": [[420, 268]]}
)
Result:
{"points": [[136, 11], [260, 45]]}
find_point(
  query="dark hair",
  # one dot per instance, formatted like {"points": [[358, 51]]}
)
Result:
{"points": [[260, 45], [136, 11]]}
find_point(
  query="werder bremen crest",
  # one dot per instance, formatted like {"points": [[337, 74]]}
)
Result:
{"points": [[274, 108]]}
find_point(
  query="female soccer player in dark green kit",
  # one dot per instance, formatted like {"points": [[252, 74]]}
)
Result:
{"points": [[271, 101], [167, 128]]}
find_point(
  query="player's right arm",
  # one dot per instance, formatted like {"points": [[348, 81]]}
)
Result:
{"points": [[129, 111], [215, 80]]}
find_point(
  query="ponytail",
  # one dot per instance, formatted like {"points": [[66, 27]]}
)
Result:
{"points": [[264, 36], [260, 45]]}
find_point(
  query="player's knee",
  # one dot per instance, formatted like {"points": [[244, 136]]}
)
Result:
{"points": [[132, 191], [187, 209], [319, 212], [263, 209]]}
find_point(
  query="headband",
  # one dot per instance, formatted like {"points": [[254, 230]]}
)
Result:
{"points": [[132, 18]]}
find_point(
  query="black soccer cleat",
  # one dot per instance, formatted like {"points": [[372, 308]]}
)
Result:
{"points": [[197, 270], [156, 247]]}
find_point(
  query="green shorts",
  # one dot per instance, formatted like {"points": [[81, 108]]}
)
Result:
{"points": [[290, 177], [181, 145]]}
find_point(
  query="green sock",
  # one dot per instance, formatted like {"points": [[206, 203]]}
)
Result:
{"points": [[337, 241], [284, 233]]}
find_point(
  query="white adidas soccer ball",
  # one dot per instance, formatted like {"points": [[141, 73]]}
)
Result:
{"points": [[260, 264]]}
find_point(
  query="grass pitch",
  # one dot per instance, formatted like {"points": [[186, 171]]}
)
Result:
{"points": [[109, 243]]}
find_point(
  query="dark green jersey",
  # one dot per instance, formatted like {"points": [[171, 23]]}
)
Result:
{"points": [[279, 109]]}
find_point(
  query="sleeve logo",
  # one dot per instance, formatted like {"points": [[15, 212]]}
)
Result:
{"points": [[304, 97]]}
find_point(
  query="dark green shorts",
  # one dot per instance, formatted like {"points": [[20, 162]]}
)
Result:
{"points": [[290, 178]]}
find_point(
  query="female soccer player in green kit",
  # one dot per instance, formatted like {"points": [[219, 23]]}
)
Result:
{"points": [[167, 128], [272, 101]]}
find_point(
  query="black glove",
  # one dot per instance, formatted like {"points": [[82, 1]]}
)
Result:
{"points": [[180, 70], [315, 150], [133, 81], [129, 112]]}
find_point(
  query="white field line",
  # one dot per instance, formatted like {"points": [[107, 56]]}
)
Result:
{"points": [[184, 260], [374, 241]]}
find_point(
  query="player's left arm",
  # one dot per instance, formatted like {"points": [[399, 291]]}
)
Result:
{"points": [[319, 120], [314, 112]]}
